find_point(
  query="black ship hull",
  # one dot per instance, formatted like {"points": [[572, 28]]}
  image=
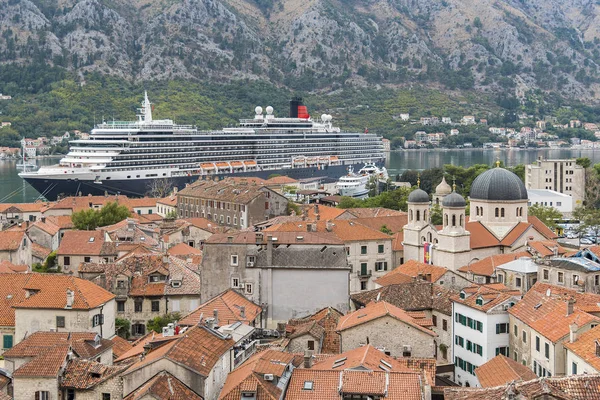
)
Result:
{"points": [[52, 188]]}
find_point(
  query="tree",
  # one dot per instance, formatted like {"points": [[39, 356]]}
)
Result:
{"points": [[436, 215], [373, 186], [157, 323], [171, 215], [123, 327], [547, 214], [386, 230], [160, 187], [291, 206], [91, 219], [584, 162], [589, 221]]}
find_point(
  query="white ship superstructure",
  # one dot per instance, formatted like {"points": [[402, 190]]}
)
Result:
{"points": [[357, 184], [127, 157]]}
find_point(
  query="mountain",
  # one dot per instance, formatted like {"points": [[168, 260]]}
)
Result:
{"points": [[492, 46]]}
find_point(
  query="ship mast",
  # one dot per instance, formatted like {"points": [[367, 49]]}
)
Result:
{"points": [[145, 112]]}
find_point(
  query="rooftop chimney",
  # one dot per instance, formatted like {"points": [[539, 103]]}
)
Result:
{"points": [[210, 323], [573, 332], [570, 304], [165, 259], [243, 312], [43, 220], [229, 239], [307, 359], [216, 316], [70, 298], [329, 226]]}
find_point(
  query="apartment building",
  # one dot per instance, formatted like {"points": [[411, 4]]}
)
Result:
{"points": [[563, 176]]}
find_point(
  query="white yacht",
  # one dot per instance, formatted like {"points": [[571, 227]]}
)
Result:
{"points": [[357, 184]]}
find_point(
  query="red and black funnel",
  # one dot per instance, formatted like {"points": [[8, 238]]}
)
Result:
{"points": [[298, 109]]}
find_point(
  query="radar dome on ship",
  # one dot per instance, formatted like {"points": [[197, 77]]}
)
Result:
{"points": [[269, 110], [258, 110]]}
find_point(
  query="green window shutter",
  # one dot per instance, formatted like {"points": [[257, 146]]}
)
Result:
{"points": [[7, 342]]}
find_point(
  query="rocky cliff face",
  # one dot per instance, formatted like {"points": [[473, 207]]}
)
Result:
{"points": [[489, 45]]}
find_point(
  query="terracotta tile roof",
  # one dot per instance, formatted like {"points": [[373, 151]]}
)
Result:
{"points": [[198, 350], [578, 387], [84, 375], [409, 296], [89, 243], [329, 385], [169, 200], [6, 267], [179, 270], [365, 357], [250, 376], [229, 306], [394, 223], [411, 269], [548, 314], [487, 266], [62, 221], [52, 288], [312, 328], [512, 236], [501, 370], [138, 202], [80, 203], [183, 249], [493, 295], [11, 293], [141, 287], [48, 364], [328, 319], [120, 346], [25, 207], [345, 230], [39, 251], [204, 223], [82, 343], [546, 248], [224, 190], [541, 227], [49, 227], [585, 347], [151, 339], [164, 386], [398, 241], [11, 240], [375, 212], [375, 310], [281, 180], [325, 212]]}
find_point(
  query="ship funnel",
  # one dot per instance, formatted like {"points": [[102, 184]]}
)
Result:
{"points": [[298, 109]]}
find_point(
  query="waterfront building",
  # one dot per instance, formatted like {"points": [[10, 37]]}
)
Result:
{"points": [[563, 176]]}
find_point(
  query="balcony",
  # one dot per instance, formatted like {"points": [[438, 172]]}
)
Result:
{"points": [[364, 274], [243, 354]]}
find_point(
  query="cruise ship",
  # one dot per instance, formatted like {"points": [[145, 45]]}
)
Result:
{"points": [[133, 157]]}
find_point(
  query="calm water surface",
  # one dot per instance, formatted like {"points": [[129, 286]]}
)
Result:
{"points": [[14, 190]]}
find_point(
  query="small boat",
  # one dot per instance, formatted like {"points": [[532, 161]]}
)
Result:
{"points": [[356, 184]]}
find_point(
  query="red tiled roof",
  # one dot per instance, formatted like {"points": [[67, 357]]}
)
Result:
{"points": [[47, 364], [164, 386], [11, 240], [84, 375], [51, 292], [89, 243], [487, 266], [183, 249], [138, 347], [367, 357], [120, 346], [377, 310], [409, 270], [547, 314], [501, 370], [39, 251], [280, 180], [546, 248], [492, 295], [11, 293], [83, 343], [229, 306], [6, 267], [345, 230], [49, 227], [585, 347], [325, 212], [541, 227], [197, 350]]}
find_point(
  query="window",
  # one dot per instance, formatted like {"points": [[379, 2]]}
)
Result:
{"points": [[235, 282], [380, 248], [537, 343], [248, 288], [479, 301], [561, 277], [479, 326], [7, 341], [381, 266], [518, 282], [469, 345], [155, 305], [138, 306], [175, 305], [60, 322], [502, 328], [459, 341], [70, 394], [120, 306], [97, 320], [87, 259], [311, 344], [66, 262], [575, 279], [234, 260], [502, 350], [515, 330], [138, 329], [574, 368], [42, 395], [545, 274], [524, 337], [434, 320], [500, 278], [363, 249], [597, 280], [120, 284], [363, 285], [445, 324], [105, 396], [547, 350]]}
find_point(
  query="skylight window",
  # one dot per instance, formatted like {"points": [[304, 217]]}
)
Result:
{"points": [[308, 385]]}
